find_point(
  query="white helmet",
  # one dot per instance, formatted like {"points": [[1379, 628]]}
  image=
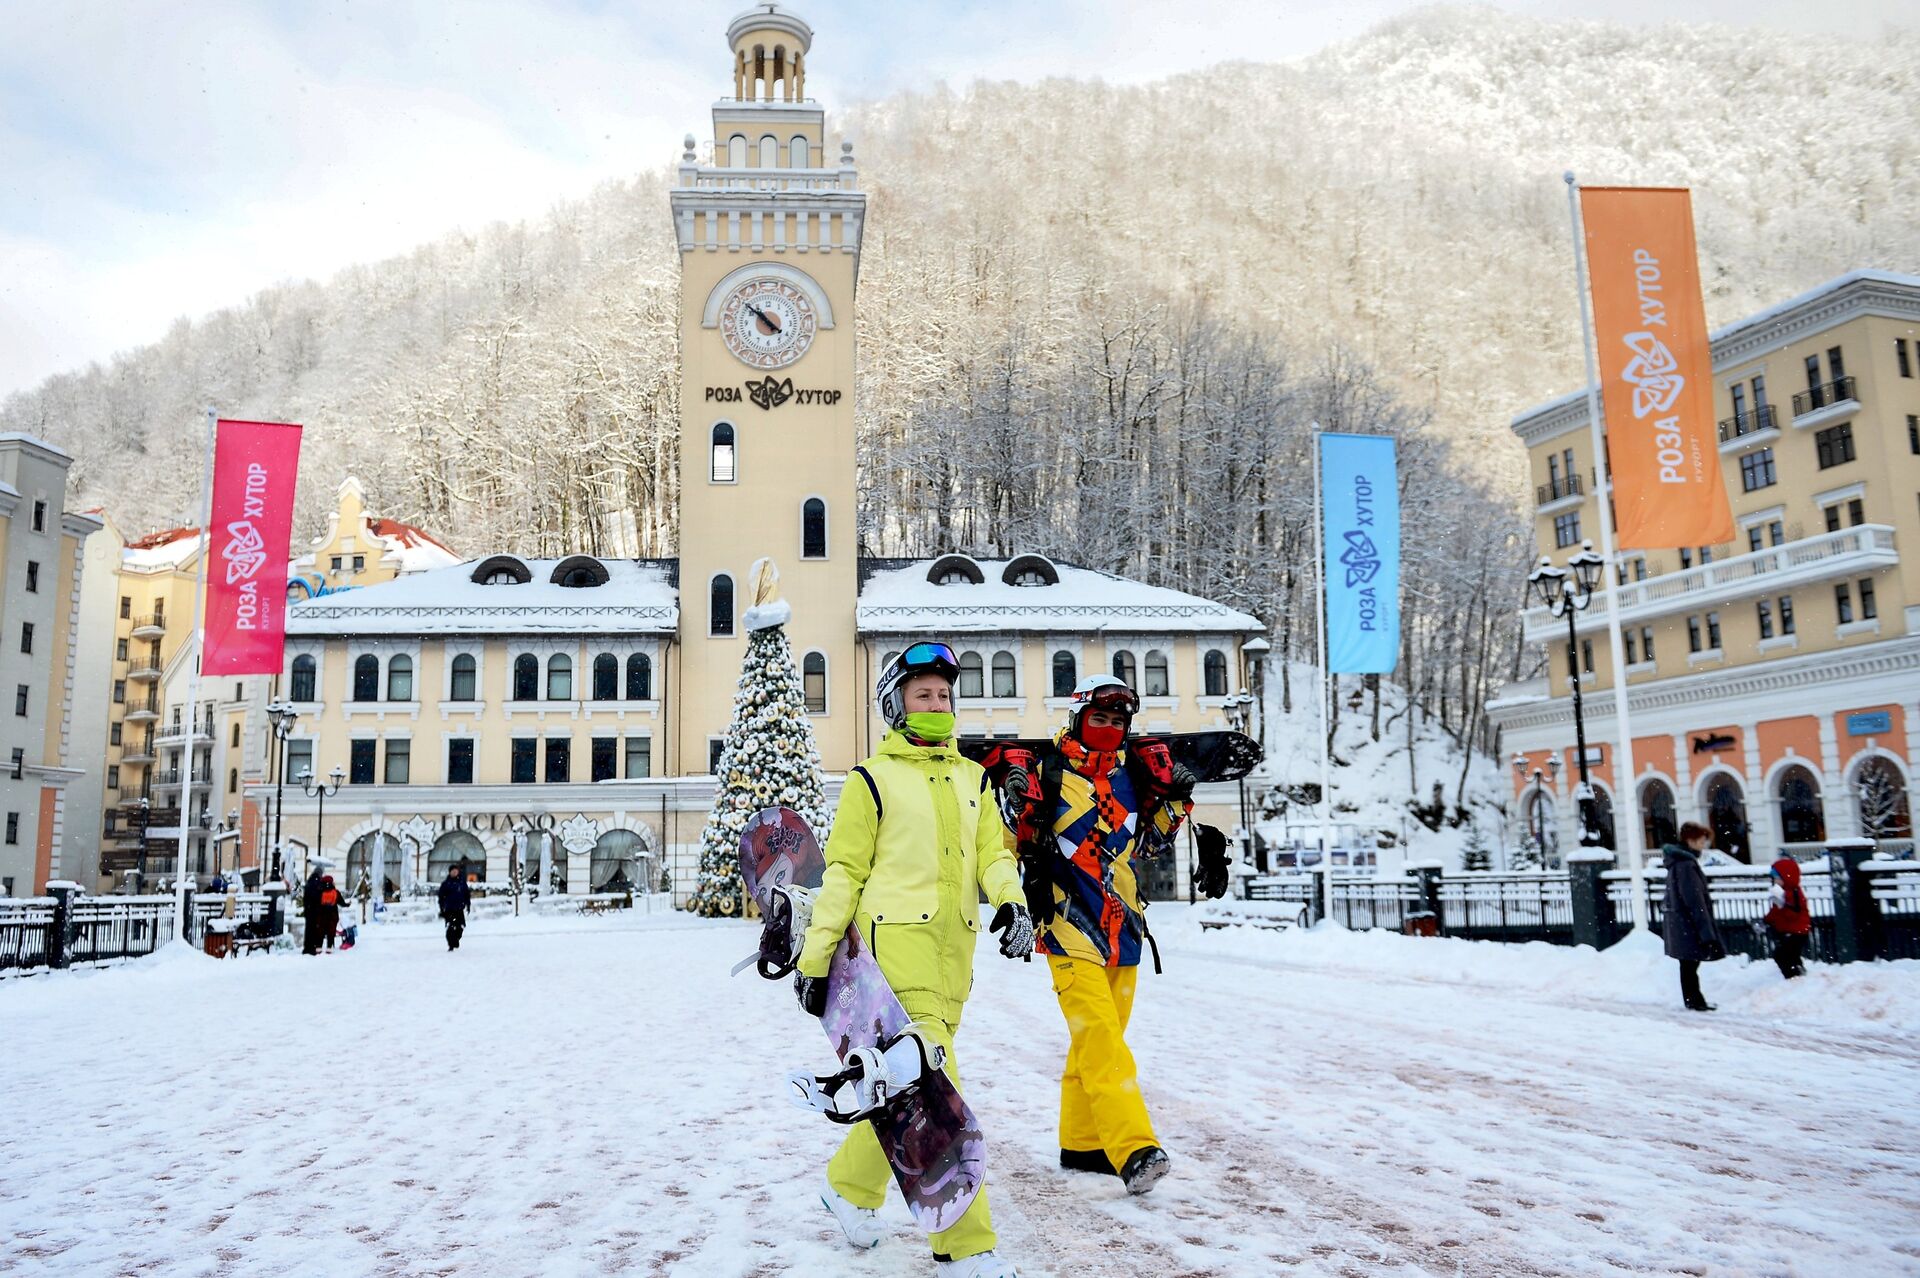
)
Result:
{"points": [[1101, 691], [921, 658]]}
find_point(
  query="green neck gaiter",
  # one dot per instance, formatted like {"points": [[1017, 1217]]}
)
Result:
{"points": [[930, 726]]}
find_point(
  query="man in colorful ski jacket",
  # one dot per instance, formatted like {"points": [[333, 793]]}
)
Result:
{"points": [[916, 841], [1085, 809]]}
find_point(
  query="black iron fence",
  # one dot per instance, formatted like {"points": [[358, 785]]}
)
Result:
{"points": [[1838, 391], [68, 927], [1862, 907]]}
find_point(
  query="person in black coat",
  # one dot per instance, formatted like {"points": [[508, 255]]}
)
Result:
{"points": [[455, 899], [1689, 930], [310, 911]]}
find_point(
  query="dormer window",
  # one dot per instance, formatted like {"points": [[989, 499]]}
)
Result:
{"points": [[501, 570], [1030, 570], [1031, 577], [954, 577], [579, 572], [501, 577], [955, 570]]}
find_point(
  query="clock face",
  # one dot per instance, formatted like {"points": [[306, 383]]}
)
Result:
{"points": [[767, 323]]}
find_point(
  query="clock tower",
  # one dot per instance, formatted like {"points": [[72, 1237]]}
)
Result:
{"points": [[769, 235]]}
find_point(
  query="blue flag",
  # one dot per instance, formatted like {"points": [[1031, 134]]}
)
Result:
{"points": [[1360, 502]]}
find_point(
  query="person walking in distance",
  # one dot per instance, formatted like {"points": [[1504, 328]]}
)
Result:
{"points": [[1689, 932], [455, 900], [310, 911], [331, 898], [1084, 809], [916, 842], [1789, 921]]}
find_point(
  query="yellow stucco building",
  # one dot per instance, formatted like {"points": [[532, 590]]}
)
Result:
{"points": [[568, 712]]}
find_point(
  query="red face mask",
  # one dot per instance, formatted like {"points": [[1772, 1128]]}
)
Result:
{"points": [[1107, 737]]}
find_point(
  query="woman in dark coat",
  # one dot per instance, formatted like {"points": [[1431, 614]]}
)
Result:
{"points": [[455, 899], [1689, 930]]}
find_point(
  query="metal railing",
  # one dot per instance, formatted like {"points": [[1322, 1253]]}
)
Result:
{"points": [[69, 927], [152, 621], [1815, 398], [1761, 418], [143, 668], [1554, 490]]}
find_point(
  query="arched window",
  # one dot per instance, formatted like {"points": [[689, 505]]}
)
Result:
{"points": [[457, 848], [400, 679], [1003, 672], [1726, 805], [797, 153], [1658, 823], [559, 678], [1603, 816], [971, 682], [619, 863], [954, 577], [813, 529], [720, 606], [526, 677], [725, 469], [1065, 674], [606, 677], [1215, 666], [813, 681], [1156, 685], [501, 577], [1542, 823], [1123, 668], [366, 677], [462, 684], [1802, 818], [737, 151], [639, 677], [769, 152], [1882, 794], [305, 675]]}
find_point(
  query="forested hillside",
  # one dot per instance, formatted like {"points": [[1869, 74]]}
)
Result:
{"points": [[1095, 321]]}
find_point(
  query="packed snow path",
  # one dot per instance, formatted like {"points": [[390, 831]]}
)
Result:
{"points": [[596, 1096]]}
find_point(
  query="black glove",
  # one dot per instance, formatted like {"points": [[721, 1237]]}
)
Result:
{"points": [[1018, 925], [812, 993], [1211, 878], [1041, 907], [1180, 786]]}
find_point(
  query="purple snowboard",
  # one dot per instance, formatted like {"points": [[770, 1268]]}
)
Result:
{"points": [[929, 1135]]}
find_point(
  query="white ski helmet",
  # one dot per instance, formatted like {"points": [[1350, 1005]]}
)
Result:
{"points": [[1101, 691], [889, 692]]}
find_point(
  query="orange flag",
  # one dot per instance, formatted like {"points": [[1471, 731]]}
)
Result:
{"points": [[1656, 368]]}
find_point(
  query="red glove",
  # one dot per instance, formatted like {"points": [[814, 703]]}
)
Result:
{"points": [[1171, 780]]}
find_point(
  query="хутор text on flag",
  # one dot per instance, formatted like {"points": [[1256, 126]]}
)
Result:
{"points": [[1360, 507]]}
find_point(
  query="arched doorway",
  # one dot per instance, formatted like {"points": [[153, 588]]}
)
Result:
{"points": [[1659, 825], [1803, 819], [456, 847], [621, 863], [360, 859], [1726, 805], [1541, 817], [1881, 792], [1603, 816]]}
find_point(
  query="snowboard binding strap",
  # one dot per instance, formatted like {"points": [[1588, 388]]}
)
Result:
{"points": [[782, 934], [871, 1078]]}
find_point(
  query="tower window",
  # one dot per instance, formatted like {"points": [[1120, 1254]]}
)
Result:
{"points": [[639, 677], [1215, 666], [813, 529], [1003, 674], [797, 153], [526, 677], [463, 678], [813, 682], [972, 676], [559, 678], [769, 152], [724, 470], [366, 678], [737, 151], [606, 677], [1064, 674], [720, 606]]}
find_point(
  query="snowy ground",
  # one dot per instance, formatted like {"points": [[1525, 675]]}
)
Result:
{"points": [[573, 1097]]}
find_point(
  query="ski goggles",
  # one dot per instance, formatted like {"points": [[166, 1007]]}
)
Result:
{"points": [[922, 656], [1114, 698]]}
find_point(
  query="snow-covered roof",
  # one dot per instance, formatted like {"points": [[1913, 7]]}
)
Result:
{"points": [[899, 597], [639, 597], [168, 548], [416, 549]]}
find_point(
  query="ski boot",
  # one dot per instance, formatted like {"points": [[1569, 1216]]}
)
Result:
{"points": [[861, 1225], [870, 1078], [1144, 1169], [984, 1265], [782, 934]]}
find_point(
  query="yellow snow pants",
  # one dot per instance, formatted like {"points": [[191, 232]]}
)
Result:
{"points": [[1100, 1102], [860, 1173]]}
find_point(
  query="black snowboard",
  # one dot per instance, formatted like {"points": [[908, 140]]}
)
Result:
{"points": [[1210, 756]]}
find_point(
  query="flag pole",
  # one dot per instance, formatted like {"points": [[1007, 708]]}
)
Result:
{"points": [[1325, 673], [193, 682], [1624, 782]]}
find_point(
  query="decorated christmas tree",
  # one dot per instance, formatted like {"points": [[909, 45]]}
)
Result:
{"points": [[769, 758]]}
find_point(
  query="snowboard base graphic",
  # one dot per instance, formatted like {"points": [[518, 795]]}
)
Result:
{"points": [[930, 1137]]}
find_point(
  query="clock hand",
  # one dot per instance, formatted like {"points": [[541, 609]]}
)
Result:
{"points": [[767, 321]]}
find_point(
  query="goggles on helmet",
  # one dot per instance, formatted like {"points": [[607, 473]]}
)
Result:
{"points": [[1116, 698], [923, 655]]}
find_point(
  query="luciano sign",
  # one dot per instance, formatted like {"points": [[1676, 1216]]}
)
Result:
{"points": [[770, 393]]}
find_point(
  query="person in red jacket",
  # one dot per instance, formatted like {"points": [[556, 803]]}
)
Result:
{"points": [[1788, 918]]}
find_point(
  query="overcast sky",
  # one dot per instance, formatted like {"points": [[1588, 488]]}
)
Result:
{"points": [[167, 157]]}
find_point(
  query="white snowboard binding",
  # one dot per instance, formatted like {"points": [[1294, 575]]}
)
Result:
{"points": [[871, 1078], [783, 934]]}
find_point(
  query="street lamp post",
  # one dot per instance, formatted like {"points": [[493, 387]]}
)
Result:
{"points": [[1566, 591], [145, 816], [1239, 712], [320, 791], [280, 717]]}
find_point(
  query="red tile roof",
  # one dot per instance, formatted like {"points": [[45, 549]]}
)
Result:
{"points": [[405, 534]]}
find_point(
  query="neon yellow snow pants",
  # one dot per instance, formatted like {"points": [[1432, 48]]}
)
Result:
{"points": [[860, 1173], [1100, 1102]]}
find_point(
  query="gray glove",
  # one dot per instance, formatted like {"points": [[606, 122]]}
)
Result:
{"points": [[1013, 920]]}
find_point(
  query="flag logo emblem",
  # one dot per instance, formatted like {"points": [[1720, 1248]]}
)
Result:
{"points": [[1362, 561], [1653, 373], [244, 552]]}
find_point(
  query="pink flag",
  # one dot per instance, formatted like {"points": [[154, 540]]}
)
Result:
{"points": [[253, 472]]}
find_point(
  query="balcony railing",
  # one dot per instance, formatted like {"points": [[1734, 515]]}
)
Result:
{"points": [[172, 777], [1775, 569], [1815, 398], [1761, 418], [137, 752], [139, 711], [1568, 486], [154, 623], [175, 733], [143, 668]]}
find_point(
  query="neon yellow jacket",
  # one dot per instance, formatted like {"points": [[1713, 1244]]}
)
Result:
{"points": [[909, 869]]}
